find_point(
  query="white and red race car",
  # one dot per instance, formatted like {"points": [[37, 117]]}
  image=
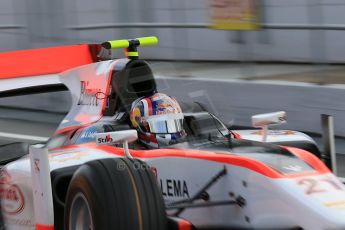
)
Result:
{"points": [[92, 174]]}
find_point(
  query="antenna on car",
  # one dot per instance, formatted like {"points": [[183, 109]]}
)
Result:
{"points": [[130, 45]]}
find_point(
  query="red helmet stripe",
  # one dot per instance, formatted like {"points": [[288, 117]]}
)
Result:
{"points": [[149, 105]]}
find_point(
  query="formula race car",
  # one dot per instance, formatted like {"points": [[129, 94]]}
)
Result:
{"points": [[94, 174]]}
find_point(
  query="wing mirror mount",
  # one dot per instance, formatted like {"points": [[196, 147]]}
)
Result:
{"points": [[119, 137], [268, 119]]}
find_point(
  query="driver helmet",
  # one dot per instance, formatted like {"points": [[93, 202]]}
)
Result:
{"points": [[158, 120]]}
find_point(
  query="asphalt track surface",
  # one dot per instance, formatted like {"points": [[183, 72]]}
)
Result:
{"points": [[27, 125]]}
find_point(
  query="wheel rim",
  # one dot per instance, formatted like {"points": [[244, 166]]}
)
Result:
{"points": [[80, 214]]}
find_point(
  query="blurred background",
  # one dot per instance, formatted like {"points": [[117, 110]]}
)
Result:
{"points": [[241, 56], [294, 31], [307, 31]]}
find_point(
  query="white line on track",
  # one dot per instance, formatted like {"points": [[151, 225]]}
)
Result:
{"points": [[22, 137], [253, 82]]}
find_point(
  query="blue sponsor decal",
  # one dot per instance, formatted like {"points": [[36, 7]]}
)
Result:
{"points": [[88, 135]]}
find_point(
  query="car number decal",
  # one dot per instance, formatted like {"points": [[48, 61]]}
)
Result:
{"points": [[313, 186]]}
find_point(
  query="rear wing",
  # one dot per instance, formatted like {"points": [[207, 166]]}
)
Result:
{"points": [[46, 60], [35, 71]]}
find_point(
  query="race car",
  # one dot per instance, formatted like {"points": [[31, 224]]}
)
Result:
{"points": [[94, 174]]}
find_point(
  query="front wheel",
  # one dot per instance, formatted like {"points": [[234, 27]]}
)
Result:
{"points": [[116, 194]]}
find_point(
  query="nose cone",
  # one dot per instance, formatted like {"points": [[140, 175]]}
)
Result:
{"points": [[319, 201]]}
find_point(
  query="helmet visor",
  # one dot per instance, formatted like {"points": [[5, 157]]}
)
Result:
{"points": [[167, 123]]}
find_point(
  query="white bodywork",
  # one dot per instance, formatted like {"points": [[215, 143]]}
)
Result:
{"points": [[311, 202], [25, 82], [41, 185], [280, 136], [267, 119]]}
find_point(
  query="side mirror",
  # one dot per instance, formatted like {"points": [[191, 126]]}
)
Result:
{"points": [[119, 137], [268, 119]]}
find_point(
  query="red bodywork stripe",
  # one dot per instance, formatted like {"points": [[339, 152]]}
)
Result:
{"points": [[311, 159], [44, 227], [237, 160], [46, 60], [107, 91], [236, 135], [184, 225]]}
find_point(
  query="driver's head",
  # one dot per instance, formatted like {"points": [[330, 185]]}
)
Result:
{"points": [[158, 120]]}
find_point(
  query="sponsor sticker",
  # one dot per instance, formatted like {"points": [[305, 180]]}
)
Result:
{"points": [[174, 188], [12, 198], [63, 157], [20, 222], [88, 94], [276, 132], [327, 190], [314, 186], [87, 135], [339, 204], [104, 139]]}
